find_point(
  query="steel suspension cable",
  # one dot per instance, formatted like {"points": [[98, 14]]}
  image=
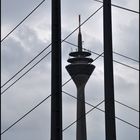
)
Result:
{"points": [[43, 51], [67, 93], [25, 115], [103, 56], [120, 7], [96, 107], [22, 20], [36, 106], [24, 73]]}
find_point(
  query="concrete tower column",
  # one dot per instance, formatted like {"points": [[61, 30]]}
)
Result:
{"points": [[80, 70], [81, 133]]}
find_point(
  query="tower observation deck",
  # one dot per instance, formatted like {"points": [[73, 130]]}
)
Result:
{"points": [[80, 69]]}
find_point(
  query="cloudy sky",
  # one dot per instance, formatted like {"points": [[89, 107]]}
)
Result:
{"points": [[34, 35]]}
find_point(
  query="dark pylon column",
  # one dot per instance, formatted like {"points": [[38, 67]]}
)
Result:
{"points": [[80, 70], [56, 82], [108, 73]]}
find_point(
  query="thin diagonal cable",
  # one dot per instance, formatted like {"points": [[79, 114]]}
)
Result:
{"points": [[36, 105], [40, 104], [126, 57], [31, 110], [83, 22], [83, 101], [74, 75], [24, 73], [50, 45], [101, 109], [127, 9], [96, 107], [103, 56], [25, 115], [22, 20], [127, 106], [82, 116], [100, 55], [113, 52], [43, 100], [126, 65], [33, 67], [63, 84], [74, 121], [103, 101], [25, 66]]}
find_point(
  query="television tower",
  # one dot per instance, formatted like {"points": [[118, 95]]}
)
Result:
{"points": [[80, 70]]}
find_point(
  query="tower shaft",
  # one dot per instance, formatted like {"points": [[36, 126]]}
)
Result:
{"points": [[81, 133], [80, 74]]}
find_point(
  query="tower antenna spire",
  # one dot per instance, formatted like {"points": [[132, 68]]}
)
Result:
{"points": [[80, 23], [79, 36]]}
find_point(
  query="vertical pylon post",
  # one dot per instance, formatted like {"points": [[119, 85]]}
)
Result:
{"points": [[108, 73], [56, 76]]}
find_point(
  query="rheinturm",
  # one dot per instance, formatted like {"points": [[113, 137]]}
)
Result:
{"points": [[80, 69]]}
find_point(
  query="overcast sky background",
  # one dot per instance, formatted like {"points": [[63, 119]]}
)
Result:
{"points": [[34, 35]]}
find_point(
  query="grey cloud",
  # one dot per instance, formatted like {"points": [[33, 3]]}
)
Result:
{"points": [[16, 52], [15, 10], [11, 55], [25, 43], [128, 40]]}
